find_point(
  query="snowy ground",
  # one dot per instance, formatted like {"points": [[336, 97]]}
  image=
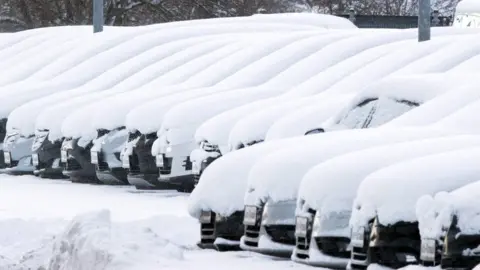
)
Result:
{"points": [[57, 225]]}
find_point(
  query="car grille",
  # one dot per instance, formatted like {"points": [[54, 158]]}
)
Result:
{"points": [[283, 234], [167, 166], [333, 246], [73, 165], [134, 164]]}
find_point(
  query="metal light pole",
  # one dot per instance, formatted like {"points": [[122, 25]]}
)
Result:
{"points": [[424, 8], [97, 16]]}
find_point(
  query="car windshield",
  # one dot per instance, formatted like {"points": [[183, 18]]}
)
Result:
{"points": [[374, 112], [332, 221]]}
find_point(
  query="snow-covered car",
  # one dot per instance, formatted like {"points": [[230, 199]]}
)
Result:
{"points": [[184, 70], [220, 192], [448, 225], [212, 133], [238, 83], [160, 79], [467, 14], [327, 191], [139, 58], [384, 223]]}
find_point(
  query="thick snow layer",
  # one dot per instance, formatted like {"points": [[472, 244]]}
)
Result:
{"points": [[454, 54], [435, 212], [395, 90], [289, 165], [254, 126], [319, 20], [280, 59], [467, 6], [107, 228], [439, 107], [330, 187], [223, 184], [310, 117], [385, 65], [463, 119], [403, 183]]}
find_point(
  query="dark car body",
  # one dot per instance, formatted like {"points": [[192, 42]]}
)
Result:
{"points": [[75, 159], [46, 156]]}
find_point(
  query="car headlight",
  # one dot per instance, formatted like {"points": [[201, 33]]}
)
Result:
{"points": [[94, 157], [35, 160], [63, 156], [7, 158], [206, 217], [428, 250], [301, 226], [126, 161], [195, 168], [159, 161], [250, 215], [358, 236]]}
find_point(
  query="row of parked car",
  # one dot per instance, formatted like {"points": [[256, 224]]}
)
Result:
{"points": [[298, 135]]}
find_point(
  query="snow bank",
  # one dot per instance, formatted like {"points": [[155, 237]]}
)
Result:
{"points": [[299, 122], [223, 184], [403, 183], [462, 94], [320, 20], [463, 119]]}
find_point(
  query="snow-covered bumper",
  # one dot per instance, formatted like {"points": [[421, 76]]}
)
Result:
{"points": [[270, 229]]}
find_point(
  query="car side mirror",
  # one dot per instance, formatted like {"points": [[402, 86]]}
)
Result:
{"points": [[315, 131]]}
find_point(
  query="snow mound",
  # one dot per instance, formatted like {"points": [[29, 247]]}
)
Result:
{"points": [[467, 6], [462, 119], [403, 183]]}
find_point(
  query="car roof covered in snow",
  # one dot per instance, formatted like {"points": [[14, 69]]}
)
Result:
{"points": [[464, 119], [262, 68], [123, 52], [340, 177], [435, 212], [391, 193], [409, 88], [211, 66], [299, 122], [323, 20], [226, 195], [464, 93], [390, 63], [109, 112], [289, 165]]}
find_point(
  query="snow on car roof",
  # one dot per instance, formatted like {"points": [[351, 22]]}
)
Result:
{"points": [[324, 20], [253, 126], [216, 129], [110, 57], [464, 119], [340, 177], [446, 58], [387, 64], [435, 212], [262, 67], [410, 88], [464, 92], [467, 6], [403, 183], [289, 165], [226, 195], [299, 122], [190, 109]]}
